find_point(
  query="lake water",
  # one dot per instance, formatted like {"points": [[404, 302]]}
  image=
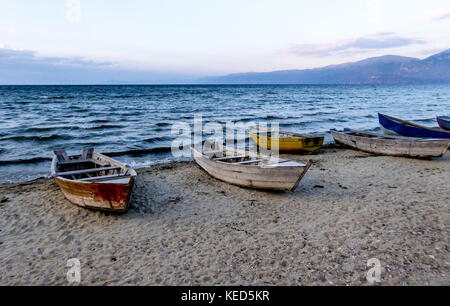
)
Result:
{"points": [[133, 123]]}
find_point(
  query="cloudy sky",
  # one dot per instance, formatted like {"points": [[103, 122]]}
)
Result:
{"points": [[158, 41]]}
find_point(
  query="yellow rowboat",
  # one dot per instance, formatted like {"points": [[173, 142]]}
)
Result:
{"points": [[288, 142]]}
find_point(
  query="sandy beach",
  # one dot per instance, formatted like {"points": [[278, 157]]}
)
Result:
{"points": [[187, 228]]}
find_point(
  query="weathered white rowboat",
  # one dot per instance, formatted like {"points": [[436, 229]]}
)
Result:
{"points": [[93, 180], [392, 145], [245, 169]]}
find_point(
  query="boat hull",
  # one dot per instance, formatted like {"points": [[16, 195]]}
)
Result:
{"points": [[106, 193], [444, 123], [422, 148], [289, 145], [405, 128], [270, 178], [98, 196]]}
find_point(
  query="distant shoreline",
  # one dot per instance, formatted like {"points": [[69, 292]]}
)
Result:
{"points": [[230, 84]]}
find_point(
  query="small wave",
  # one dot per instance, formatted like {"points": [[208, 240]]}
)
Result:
{"points": [[162, 124], [34, 160], [158, 139], [37, 137], [48, 129], [250, 119], [105, 126], [334, 120], [100, 121], [59, 97], [140, 152], [300, 123], [426, 120], [273, 117], [123, 96]]}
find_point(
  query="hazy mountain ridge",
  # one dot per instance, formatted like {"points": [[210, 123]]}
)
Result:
{"points": [[388, 69]]}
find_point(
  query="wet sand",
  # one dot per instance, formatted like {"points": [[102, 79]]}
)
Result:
{"points": [[187, 228]]}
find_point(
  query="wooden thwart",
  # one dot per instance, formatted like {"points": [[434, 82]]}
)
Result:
{"points": [[75, 161], [230, 158], [78, 172], [103, 178], [249, 162]]}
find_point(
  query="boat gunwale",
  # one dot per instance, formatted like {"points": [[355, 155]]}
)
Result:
{"points": [[442, 119]]}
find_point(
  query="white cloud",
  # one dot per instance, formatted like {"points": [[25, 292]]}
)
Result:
{"points": [[73, 11], [437, 14], [2, 46], [376, 41]]}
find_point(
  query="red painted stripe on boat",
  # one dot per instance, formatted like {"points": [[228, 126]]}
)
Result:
{"points": [[445, 120]]}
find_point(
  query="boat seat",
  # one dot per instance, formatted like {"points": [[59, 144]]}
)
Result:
{"points": [[229, 157], [75, 161], [103, 178], [94, 170], [249, 162]]}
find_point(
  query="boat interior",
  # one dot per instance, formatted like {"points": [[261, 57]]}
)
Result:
{"points": [[86, 168], [368, 135], [247, 160], [221, 156]]}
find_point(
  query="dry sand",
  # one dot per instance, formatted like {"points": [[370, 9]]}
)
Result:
{"points": [[186, 228]]}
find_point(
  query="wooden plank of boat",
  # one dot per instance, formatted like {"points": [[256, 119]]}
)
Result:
{"points": [[394, 146], [260, 172], [83, 183], [287, 141], [397, 126], [86, 171], [444, 122], [109, 178]]}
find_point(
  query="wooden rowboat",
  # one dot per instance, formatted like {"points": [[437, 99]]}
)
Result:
{"points": [[444, 122], [287, 142], [251, 170], [392, 145], [395, 126], [93, 180]]}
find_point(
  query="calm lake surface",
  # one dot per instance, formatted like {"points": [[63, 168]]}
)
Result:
{"points": [[133, 123]]}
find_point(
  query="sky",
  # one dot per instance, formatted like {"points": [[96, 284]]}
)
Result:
{"points": [[158, 41]]}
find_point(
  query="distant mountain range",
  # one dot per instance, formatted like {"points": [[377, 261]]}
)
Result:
{"points": [[388, 69]]}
